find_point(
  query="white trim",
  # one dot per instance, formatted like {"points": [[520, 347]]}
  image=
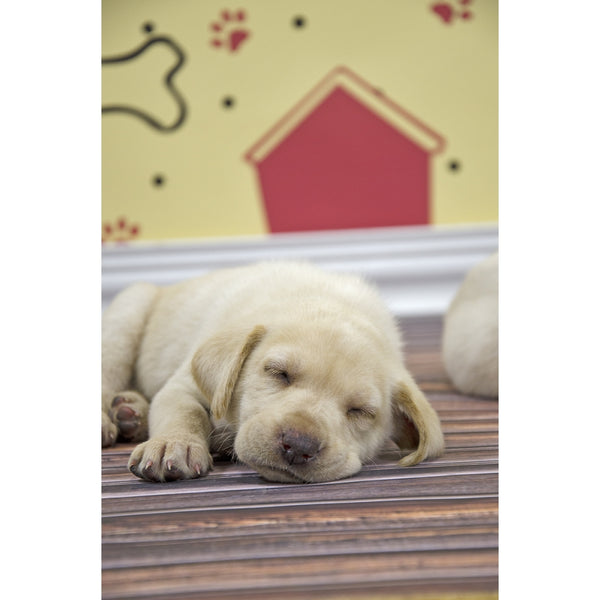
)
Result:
{"points": [[417, 269]]}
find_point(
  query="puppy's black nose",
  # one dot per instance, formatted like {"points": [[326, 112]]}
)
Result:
{"points": [[298, 448]]}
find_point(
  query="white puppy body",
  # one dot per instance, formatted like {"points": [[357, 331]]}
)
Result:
{"points": [[470, 337], [299, 370]]}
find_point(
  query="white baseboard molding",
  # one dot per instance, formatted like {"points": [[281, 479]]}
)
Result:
{"points": [[417, 269]]}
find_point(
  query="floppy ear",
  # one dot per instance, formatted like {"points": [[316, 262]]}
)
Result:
{"points": [[217, 364], [416, 425]]}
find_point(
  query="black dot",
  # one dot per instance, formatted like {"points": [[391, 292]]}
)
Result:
{"points": [[228, 102], [454, 165], [299, 22], [148, 27], [158, 180]]}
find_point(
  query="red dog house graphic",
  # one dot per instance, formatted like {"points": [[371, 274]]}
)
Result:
{"points": [[345, 156]]}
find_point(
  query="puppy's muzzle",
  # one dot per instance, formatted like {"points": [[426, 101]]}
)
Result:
{"points": [[298, 448]]}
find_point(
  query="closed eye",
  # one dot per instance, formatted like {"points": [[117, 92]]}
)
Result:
{"points": [[278, 373], [361, 412]]}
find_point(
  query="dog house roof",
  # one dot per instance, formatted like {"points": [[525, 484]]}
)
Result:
{"points": [[372, 98]]}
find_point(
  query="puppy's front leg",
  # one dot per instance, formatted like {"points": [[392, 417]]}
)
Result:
{"points": [[178, 447]]}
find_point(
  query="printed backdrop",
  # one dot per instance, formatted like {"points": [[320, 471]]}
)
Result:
{"points": [[280, 115]]}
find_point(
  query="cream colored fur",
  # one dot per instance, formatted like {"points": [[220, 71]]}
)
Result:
{"points": [[298, 372], [470, 338]]}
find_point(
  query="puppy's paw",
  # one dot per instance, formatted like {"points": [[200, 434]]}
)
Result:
{"points": [[109, 431], [129, 412], [168, 459]]}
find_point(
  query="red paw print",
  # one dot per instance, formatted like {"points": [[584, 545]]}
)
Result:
{"points": [[119, 232], [448, 13], [228, 33]]}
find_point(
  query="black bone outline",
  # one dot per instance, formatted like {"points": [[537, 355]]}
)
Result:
{"points": [[168, 83]]}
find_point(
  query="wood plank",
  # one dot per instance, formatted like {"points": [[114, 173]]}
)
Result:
{"points": [[317, 544], [309, 518], [208, 577], [238, 495], [474, 588]]}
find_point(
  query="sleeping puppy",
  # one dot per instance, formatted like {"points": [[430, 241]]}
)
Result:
{"points": [[296, 372]]}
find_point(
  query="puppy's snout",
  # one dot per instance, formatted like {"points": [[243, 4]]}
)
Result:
{"points": [[297, 447]]}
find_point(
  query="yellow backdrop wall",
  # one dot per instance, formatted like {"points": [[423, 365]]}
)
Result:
{"points": [[190, 87]]}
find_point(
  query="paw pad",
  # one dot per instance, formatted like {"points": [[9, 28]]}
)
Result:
{"points": [[128, 420], [129, 413]]}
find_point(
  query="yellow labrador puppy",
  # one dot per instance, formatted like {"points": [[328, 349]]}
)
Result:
{"points": [[470, 335], [296, 372]]}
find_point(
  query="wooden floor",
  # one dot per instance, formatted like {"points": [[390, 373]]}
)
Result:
{"points": [[388, 532]]}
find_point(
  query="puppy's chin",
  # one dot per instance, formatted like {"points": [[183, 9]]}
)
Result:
{"points": [[279, 475], [287, 476], [279, 472]]}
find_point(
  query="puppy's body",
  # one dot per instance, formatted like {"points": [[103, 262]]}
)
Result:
{"points": [[470, 336], [300, 371]]}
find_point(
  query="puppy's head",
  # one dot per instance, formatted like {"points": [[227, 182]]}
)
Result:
{"points": [[314, 403]]}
